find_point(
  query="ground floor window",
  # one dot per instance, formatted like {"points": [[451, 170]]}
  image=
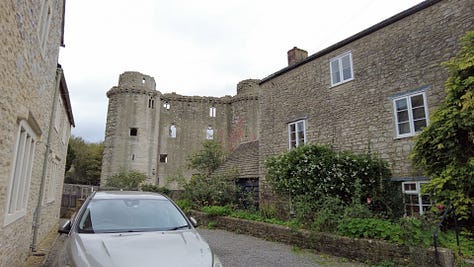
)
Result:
{"points": [[416, 203]]}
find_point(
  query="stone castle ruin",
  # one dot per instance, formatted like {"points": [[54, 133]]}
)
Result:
{"points": [[154, 133]]}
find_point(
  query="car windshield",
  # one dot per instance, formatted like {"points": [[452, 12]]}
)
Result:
{"points": [[130, 215]]}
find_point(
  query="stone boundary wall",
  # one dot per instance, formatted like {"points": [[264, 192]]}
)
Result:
{"points": [[362, 250]]}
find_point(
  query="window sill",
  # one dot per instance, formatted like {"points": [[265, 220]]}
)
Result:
{"points": [[339, 83]]}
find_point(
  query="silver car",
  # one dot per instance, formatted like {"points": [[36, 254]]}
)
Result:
{"points": [[118, 228]]}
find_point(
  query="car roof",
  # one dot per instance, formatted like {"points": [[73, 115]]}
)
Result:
{"points": [[128, 195]]}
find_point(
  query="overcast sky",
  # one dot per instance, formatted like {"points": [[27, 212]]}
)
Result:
{"points": [[200, 47]]}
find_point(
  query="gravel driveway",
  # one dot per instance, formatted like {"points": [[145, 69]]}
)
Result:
{"points": [[242, 250]]}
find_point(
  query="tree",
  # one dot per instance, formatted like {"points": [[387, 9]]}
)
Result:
{"points": [[208, 159], [445, 148], [84, 162], [127, 180]]}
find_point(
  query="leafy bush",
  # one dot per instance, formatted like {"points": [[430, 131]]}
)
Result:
{"points": [[329, 215], [371, 228], [155, 188], [217, 210], [211, 191], [184, 204], [316, 171], [127, 180]]}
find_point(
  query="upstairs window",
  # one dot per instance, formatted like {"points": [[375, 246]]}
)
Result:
{"points": [[212, 112], [296, 134], [44, 23], [22, 166], [341, 69], [410, 114], [133, 131]]}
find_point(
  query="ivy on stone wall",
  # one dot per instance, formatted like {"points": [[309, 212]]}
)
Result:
{"points": [[445, 148]]}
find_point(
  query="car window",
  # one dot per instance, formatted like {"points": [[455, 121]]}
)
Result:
{"points": [[130, 215]]}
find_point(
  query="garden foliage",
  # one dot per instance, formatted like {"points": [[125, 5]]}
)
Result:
{"points": [[311, 173], [445, 148]]}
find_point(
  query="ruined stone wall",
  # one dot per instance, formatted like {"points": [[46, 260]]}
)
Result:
{"points": [[244, 114], [28, 84], [191, 117], [132, 126], [157, 152], [358, 115]]}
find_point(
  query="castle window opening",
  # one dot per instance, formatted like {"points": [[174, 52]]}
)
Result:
{"points": [[143, 81], [133, 156], [209, 133], [133, 131], [296, 134], [212, 112], [341, 69], [163, 158], [172, 131], [151, 103], [167, 105]]}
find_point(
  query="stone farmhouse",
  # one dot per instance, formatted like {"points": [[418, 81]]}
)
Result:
{"points": [[35, 125], [371, 92]]}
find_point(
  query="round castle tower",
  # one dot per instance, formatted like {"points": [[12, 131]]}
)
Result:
{"points": [[132, 126]]}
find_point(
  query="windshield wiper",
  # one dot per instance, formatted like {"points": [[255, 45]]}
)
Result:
{"points": [[178, 227]]}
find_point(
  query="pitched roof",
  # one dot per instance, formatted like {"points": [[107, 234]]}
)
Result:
{"points": [[244, 158]]}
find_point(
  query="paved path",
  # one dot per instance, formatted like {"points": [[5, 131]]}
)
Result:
{"points": [[236, 250], [241, 250]]}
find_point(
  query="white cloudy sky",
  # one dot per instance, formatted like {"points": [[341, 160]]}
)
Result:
{"points": [[200, 47]]}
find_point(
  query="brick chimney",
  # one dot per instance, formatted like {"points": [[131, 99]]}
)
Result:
{"points": [[295, 55]]}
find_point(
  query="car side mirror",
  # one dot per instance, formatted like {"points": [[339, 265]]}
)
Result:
{"points": [[65, 228], [193, 221]]}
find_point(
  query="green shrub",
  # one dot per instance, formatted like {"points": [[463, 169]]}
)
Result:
{"points": [[185, 204], [127, 180], [313, 172], [329, 214], [217, 210], [155, 188], [211, 191], [415, 232], [370, 228]]}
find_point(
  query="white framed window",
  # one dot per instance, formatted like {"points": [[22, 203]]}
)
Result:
{"points": [[209, 133], [57, 116], [341, 69], [22, 165], [414, 201], [296, 134], [411, 114], [53, 179], [212, 112], [44, 23]]}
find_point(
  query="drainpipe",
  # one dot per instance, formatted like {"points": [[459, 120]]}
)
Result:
{"points": [[36, 216]]}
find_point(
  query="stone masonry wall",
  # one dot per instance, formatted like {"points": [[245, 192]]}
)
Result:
{"points": [[28, 82], [358, 115]]}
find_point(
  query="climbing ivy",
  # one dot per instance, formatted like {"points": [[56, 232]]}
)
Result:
{"points": [[445, 148]]}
